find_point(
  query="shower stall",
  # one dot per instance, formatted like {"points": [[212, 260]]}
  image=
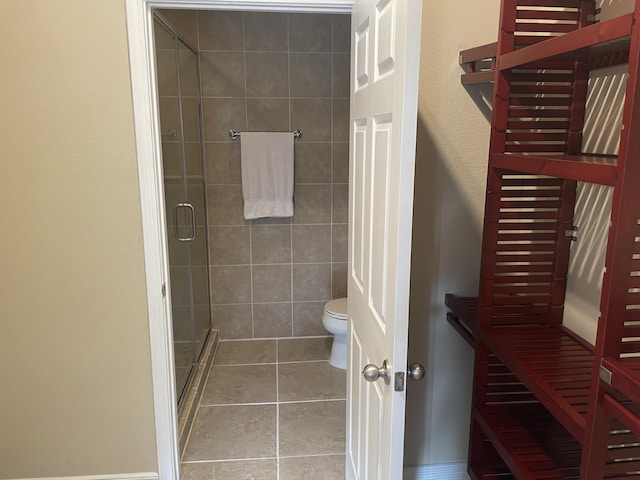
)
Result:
{"points": [[178, 76]]}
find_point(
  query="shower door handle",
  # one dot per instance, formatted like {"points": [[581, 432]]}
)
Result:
{"points": [[176, 228]]}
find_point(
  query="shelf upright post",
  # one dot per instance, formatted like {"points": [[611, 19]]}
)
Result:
{"points": [[619, 300]]}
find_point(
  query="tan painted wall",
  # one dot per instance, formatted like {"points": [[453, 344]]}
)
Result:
{"points": [[453, 144], [75, 381]]}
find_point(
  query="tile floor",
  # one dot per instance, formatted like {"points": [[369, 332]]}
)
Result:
{"points": [[271, 410]]}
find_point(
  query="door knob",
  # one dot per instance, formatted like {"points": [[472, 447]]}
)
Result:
{"points": [[415, 371], [372, 372]]}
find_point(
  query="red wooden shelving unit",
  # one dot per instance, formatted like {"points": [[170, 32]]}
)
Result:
{"points": [[546, 404]]}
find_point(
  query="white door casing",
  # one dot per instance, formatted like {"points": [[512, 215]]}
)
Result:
{"points": [[384, 94]]}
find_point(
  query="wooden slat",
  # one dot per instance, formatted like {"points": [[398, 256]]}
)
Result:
{"points": [[577, 43], [520, 348], [475, 54], [477, 77], [593, 169]]}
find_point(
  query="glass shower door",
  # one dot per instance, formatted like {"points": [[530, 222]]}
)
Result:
{"points": [[179, 95], [195, 184]]}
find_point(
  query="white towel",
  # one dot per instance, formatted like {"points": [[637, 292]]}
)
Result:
{"points": [[267, 174]]}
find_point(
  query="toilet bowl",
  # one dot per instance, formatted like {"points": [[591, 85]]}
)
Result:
{"points": [[334, 320]]}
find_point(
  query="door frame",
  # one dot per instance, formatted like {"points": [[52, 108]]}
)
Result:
{"points": [[139, 19]]}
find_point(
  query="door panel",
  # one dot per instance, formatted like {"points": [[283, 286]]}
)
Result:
{"points": [[385, 64]]}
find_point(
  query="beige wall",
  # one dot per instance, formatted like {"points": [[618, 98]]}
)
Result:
{"points": [[453, 142], [75, 381]]}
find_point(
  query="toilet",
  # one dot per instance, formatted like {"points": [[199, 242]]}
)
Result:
{"points": [[334, 320]]}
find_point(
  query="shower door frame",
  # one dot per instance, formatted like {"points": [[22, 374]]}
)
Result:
{"points": [[141, 44]]}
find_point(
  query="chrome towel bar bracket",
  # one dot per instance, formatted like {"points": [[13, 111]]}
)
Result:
{"points": [[235, 134]]}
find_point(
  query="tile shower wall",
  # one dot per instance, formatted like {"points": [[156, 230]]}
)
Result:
{"points": [[275, 72]]}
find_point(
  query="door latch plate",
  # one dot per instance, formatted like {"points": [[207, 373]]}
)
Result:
{"points": [[399, 382]]}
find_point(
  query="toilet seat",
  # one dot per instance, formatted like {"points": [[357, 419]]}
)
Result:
{"points": [[336, 309]]}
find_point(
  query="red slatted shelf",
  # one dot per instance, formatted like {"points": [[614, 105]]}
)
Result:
{"points": [[603, 39], [472, 58], [463, 316], [625, 376], [599, 169], [531, 442], [553, 364]]}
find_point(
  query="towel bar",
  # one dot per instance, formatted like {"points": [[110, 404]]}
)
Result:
{"points": [[235, 134]]}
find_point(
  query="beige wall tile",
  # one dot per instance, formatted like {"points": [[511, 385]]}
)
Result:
{"points": [[230, 284], [310, 32], [220, 30], [268, 114], [341, 73], [311, 69], [312, 281], [312, 162], [272, 283], [338, 280], [225, 205], [272, 320], [339, 242], [229, 245], [340, 120], [223, 163], [340, 203], [307, 319], [342, 33], [265, 32], [221, 115], [271, 244], [267, 74], [185, 22], [310, 74], [311, 243], [233, 321], [313, 117], [312, 204], [222, 74]]}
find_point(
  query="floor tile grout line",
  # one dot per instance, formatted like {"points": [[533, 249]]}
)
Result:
{"points": [[277, 411], [252, 459], [279, 402]]}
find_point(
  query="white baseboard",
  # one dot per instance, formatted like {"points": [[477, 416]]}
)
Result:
{"points": [[119, 476], [438, 471]]}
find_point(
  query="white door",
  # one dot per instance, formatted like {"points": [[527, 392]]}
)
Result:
{"points": [[385, 64]]}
